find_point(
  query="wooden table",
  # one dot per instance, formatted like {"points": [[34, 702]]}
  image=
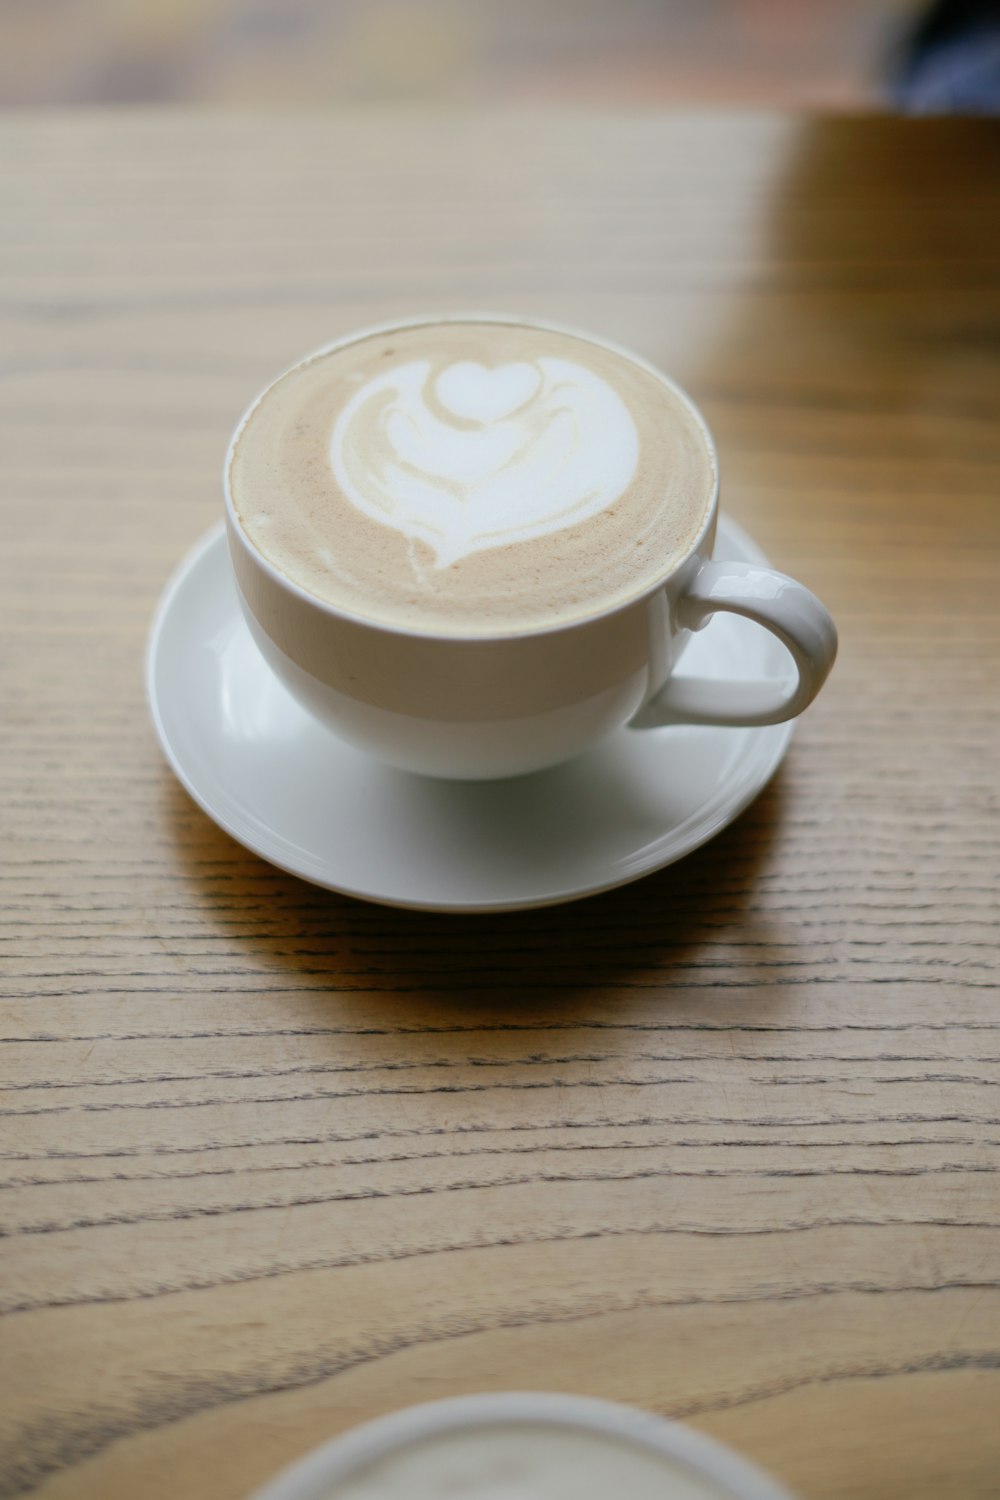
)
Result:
{"points": [[722, 1143]]}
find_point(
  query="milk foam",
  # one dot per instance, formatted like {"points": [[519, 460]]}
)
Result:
{"points": [[472, 475], [525, 1461], [477, 457]]}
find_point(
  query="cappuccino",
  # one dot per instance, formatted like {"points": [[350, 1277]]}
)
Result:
{"points": [[524, 1461], [472, 477]]}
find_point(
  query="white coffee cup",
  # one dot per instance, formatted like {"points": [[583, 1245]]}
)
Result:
{"points": [[522, 1446], [480, 706]]}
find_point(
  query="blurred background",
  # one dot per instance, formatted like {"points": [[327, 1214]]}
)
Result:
{"points": [[819, 54]]}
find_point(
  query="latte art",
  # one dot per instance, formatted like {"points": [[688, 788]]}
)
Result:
{"points": [[469, 458], [474, 475]]}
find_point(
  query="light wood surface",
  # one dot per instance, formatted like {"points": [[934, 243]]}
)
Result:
{"points": [[723, 1143]]}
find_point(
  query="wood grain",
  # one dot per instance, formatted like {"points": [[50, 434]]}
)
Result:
{"points": [[723, 1143]]}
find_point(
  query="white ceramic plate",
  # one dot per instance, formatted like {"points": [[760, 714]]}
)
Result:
{"points": [[288, 789]]}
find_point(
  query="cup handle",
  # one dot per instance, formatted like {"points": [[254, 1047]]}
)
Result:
{"points": [[773, 600]]}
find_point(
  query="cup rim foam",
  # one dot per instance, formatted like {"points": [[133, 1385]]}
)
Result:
{"points": [[505, 632], [343, 1457]]}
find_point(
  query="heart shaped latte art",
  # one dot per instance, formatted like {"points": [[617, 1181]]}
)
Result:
{"points": [[466, 458], [483, 395]]}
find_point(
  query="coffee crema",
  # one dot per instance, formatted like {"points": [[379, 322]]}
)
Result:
{"points": [[524, 1461], [472, 476]]}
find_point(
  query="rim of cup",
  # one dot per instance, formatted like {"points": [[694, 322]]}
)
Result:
{"points": [[390, 325], [346, 1456]]}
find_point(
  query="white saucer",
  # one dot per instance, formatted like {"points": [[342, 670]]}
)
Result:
{"points": [[293, 793]]}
